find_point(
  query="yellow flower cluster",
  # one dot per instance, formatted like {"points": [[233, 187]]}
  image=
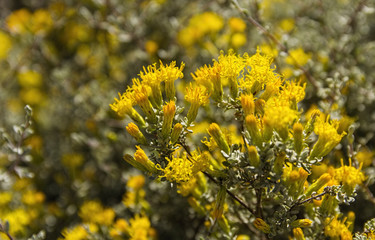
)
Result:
{"points": [[22, 21], [93, 212]]}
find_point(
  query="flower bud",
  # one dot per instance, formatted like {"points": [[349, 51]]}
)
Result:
{"points": [[252, 127], [253, 156], [176, 131], [220, 201], [301, 223], [298, 137], [218, 136], [262, 225], [279, 163], [134, 131], [259, 106], [318, 184], [298, 234], [145, 104], [141, 161], [267, 130], [248, 105], [169, 111], [233, 87]]}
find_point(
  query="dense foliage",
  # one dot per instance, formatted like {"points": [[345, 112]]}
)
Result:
{"points": [[234, 119]]}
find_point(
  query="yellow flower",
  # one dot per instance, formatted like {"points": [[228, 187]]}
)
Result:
{"points": [[209, 77], [293, 92], [93, 212], [287, 24], [197, 96], [218, 136], [5, 46], [169, 111], [176, 131], [253, 156], [365, 157], [301, 223], [169, 74], [139, 228], [337, 229], [328, 137], [260, 73], [134, 131], [124, 106], [237, 24], [32, 197], [136, 182], [349, 176], [298, 234], [19, 21], [247, 103], [18, 219], [298, 57], [231, 67], [42, 22], [75, 233], [179, 169], [238, 40], [280, 116], [151, 47]]}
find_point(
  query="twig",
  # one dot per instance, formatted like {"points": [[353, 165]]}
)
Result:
{"points": [[281, 46], [369, 194], [298, 203]]}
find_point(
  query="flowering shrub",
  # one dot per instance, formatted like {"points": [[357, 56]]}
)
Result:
{"points": [[275, 143], [262, 165]]}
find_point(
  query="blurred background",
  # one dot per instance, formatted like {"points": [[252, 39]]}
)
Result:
{"points": [[67, 60]]}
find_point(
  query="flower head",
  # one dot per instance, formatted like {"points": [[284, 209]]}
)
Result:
{"points": [[349, 176], [328, 137]]}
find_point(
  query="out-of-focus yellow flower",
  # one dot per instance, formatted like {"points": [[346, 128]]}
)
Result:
{"points": [[287, 24], [269, 50], [72, 160], [337, 229], [30, 78], [298, 57], [237, 24], [5, 46], [32, 96], [298, 234], [365, 157], [139, 228], [151, 47], [195, 31], [136, 182], [18, 21], [93, 212], [32, 197], [42, 21], [238, 40], [75, 233], [5, 198], [243, 237], [18, 219]]}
